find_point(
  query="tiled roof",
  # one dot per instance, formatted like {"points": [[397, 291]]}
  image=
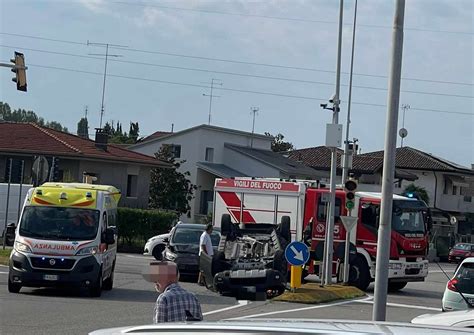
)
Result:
{"points": [[29, 138], [406, 158], [156, 134], [274, 159], [316, 157]]}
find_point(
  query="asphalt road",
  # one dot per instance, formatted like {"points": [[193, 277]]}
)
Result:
{"points": [[48, 311]]}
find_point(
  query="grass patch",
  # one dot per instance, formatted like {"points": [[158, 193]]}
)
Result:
{"points": [[4, 255]]}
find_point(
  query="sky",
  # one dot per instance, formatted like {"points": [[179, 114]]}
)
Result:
{"points": [[279, 56]]}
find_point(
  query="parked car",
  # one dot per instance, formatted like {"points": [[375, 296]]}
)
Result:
{"points": [[183, 246], [459, 293], [460, 251], [149, 249], [463, 319]]}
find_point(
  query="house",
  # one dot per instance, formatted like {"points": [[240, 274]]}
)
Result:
{"points": [[450, 187], [212, 152], [76, 158]]}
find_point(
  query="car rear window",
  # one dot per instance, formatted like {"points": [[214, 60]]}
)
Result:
{"points": [[465, 277], [462, 246]]}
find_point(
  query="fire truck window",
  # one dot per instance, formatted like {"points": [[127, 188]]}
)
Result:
{"points": [[369, 216], [322, 209]]}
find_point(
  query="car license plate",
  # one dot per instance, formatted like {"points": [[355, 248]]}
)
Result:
{"points": [[414, 266], [250, 289], [50, 277]]}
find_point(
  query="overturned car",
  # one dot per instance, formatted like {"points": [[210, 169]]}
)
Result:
{"points": [[250, 259]]}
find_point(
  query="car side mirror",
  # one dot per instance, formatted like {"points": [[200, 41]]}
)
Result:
{"points": [[109, 236]]}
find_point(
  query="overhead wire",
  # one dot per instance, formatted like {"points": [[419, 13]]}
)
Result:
{"points": [[229, 73], [233, 89], [237, 61]]}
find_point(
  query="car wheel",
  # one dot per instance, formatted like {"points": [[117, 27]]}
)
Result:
{"points": [[13, 287], [109, 282]]}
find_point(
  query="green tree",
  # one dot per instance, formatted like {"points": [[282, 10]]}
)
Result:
{"points": [[83, 128], [22, 115], [169, 188], [278, 143], [420, 191], [134, 132]]}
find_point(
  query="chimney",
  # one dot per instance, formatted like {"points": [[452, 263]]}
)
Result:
{"points": [[101, 138]]}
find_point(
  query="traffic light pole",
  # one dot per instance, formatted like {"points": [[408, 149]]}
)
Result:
{"points": [[385, 226], [332, 187], [10, 166]]}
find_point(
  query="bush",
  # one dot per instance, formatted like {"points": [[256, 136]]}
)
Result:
{"points": [[137, 225]]}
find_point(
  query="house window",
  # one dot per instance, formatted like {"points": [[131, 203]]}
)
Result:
{"points": [[175, 149], [455, 190], [447, 184], [206, 198], [132, 185], [209, 155]]}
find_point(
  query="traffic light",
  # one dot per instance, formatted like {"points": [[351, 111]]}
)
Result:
{"points": [[350, 188], [20, 71]]}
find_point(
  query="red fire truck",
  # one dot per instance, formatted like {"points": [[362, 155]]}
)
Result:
{"points": [[250, 201]]}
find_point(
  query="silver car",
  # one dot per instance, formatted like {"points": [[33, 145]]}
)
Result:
{"points": [[459, 292]]}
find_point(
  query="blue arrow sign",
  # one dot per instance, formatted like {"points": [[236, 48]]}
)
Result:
{"points": [[297, 253]]}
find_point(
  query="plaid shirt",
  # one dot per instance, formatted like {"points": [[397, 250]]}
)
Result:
{"points": [[172, 304]]}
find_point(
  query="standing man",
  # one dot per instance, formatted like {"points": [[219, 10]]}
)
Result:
{"points": [[174, 304], [205, 246]]}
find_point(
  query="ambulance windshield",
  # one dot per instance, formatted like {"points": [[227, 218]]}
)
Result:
{"points": [[59, 223]]}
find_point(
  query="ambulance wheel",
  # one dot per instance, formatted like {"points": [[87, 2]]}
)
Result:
{"points": [[359, 275], [95, 290], [13, 287], [109, 282]]}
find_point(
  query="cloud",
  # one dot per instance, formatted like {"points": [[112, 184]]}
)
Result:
{"points": [[96, 6]]}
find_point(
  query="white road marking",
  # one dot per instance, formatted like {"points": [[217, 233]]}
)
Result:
{"points": [[393, 304], [301, 309], [240, 304]]}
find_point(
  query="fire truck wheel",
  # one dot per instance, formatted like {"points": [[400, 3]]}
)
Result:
{"points": [[393, 287], [359, 275]]}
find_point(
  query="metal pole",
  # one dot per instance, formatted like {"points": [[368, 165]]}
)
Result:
{"points": [[383, 242], [22, 174], [346, 162], [8, 203], [332, 189], [254, 111], [346, 250], [103, 85], [210, 101]]}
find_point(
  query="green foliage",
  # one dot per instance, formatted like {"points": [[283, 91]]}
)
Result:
{"points": [[169, 188], [139, 224], [278, 143], [421, 191], [117, 135], [22, 115], [83, 128]]}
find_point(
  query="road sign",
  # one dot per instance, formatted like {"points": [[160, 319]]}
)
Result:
{"points": [[297, 253], [349, 222]]}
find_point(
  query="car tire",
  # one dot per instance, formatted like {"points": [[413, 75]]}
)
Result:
{"points": [[397, 286], [279, 263], [157, 251], [109, 282], [13, 287], [95, 290], [359, 274]]}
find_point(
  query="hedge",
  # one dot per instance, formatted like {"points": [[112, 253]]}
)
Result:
{"points": [[139, 224]]}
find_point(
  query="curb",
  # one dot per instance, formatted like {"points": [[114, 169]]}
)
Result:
{"points": [[312, 293]]}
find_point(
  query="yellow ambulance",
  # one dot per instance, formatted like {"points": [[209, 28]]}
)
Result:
{"points": [[66, 236]]}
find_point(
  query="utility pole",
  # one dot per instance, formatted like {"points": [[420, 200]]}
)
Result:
{"points": [[211, 96], [385, 226], [332, 189], [403, 132], [106, 55], [347, 159], [254, 111]]}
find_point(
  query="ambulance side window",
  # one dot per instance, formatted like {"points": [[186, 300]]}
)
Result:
{"points": [[323, 207], [111, 218]]}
